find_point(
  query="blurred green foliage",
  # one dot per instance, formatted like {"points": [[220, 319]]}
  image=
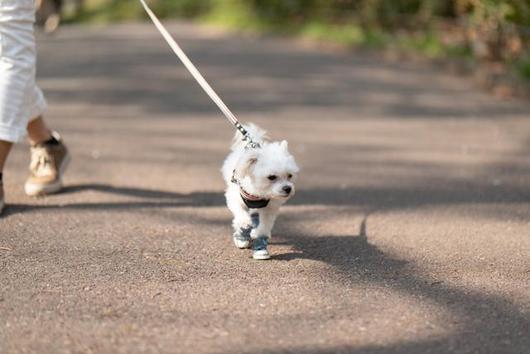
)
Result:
{"points": [[496, 30], [523, 65], [383, 13]]}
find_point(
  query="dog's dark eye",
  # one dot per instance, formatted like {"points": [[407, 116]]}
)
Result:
{"points": [[272, 178], [289, 176]]}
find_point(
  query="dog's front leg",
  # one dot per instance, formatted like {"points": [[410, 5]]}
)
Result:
{"points": [[242, 222], [241, 218], [262, 233], [267, 217]]}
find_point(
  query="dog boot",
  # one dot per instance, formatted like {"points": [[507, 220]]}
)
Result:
{"points": [[242, 238], [259, 248]]}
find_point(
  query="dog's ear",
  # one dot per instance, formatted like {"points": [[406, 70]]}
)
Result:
{"points": [[246, 161], [284, 145]]}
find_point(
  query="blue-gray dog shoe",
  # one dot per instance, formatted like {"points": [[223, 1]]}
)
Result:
{"points": [[242, 238], [259, 248]]}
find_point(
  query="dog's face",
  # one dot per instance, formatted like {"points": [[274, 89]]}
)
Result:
{"points": [[269, 171]]}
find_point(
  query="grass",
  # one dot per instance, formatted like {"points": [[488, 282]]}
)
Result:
{"points": [[234, 15], [523, 67], [427, 43], [349, 34], [104, 11]]}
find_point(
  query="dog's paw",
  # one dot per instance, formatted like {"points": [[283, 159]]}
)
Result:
{"points": [[242, 238], [259, 248]]}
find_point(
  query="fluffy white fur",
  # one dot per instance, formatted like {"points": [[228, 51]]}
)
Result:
{"points": [[253, 168]]}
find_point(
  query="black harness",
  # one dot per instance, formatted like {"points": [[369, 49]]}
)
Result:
{"points": [[250, 200], [255, 203]]}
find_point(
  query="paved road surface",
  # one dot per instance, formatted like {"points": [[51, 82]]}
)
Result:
{"points": [[410, 232]]}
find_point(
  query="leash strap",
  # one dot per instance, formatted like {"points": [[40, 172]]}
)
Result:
{"points": [[198, 76]]}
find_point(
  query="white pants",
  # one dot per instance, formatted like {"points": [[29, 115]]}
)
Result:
{"points": [[20, 98]]}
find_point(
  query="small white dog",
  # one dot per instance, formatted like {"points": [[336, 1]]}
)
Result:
{"points": [[258, 181]]}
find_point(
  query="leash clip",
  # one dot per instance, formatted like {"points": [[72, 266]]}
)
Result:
{"points": [[251, 144]]}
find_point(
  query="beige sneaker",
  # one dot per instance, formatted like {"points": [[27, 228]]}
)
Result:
{"points": [[48, 163]]}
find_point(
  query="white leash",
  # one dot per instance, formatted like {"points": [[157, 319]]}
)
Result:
{"points": [[197, 75]]}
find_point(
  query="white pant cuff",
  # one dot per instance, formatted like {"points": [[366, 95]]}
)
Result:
{"points": [[12, 134], [37, 108]]}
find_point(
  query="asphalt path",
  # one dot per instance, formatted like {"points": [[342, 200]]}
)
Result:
{"points": [[409, 233]]}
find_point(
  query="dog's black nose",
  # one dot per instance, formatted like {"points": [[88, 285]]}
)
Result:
{"points": [[287, 189]]}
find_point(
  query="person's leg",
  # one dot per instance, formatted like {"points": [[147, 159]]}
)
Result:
{"points": [[5, 147], [17, 73], [49, 156], [38, 131], [17, 68], [4, 151], [21, 99]]}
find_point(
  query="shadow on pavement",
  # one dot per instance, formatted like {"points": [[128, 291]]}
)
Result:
{"points": [[197, 198], [155, 199], [381, 198], [484, 321], [252, 76]]}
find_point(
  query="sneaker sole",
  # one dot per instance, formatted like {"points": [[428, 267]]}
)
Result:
{"points": [[52, 23], [261, 257], [241, 244], [35, 190]]}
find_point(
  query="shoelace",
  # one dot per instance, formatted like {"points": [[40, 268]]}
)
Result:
{"points": [[41, 162]]}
